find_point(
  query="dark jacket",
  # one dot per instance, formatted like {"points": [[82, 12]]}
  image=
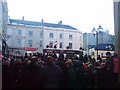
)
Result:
{"points": [[7, 77], [29, 76], [109, 63], [71, 78], [51, 76], [80, 76]]}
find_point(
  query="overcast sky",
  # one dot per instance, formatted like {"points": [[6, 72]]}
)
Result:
{"points": [[81, 14]]}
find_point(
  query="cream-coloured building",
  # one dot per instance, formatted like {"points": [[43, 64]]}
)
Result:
{"points": [[26, 35]]}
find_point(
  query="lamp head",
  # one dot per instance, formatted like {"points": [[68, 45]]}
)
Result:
{"points": [[100, 27]]}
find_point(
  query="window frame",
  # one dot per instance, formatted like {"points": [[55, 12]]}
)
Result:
{"points": [[19, 32], [30, 33], [19, 42], [70, 36], [61, 36], [51, 35], [30, 44], [70, 46]]}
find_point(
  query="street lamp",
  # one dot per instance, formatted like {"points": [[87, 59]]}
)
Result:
{"points": [[96, 32]]}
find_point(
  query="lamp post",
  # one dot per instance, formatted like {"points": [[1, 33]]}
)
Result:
{"points": [[96, 33], [42, 35]]}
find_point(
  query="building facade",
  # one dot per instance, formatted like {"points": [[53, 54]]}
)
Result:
{"points": [[102, 49], [36, 36], [3, 24], [89, 39]]}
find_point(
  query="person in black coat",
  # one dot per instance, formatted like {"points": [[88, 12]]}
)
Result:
{"points": [[7, 75], [80, 76], [51, 75], [71, 83], [85, 58], [17, 73], [29, 74], [99, 58], [61, 63], [61, 56], [105, 74]]}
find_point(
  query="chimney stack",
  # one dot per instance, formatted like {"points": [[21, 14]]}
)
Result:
{"points": [[60, 22], [23, 18], [42, 20]]}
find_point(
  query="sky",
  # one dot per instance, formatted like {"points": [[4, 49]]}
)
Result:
{"points": [[81, 14]]}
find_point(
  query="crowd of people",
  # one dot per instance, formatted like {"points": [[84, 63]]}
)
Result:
{"points": [[50, 71]]}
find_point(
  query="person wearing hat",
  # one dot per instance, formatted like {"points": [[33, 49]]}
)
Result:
{"points": [[108, 72]]}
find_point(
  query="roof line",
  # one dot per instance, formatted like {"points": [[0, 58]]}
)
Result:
{"points": [[35, 23]]}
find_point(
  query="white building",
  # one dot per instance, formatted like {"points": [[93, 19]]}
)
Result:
{"points": [[35, 36]]}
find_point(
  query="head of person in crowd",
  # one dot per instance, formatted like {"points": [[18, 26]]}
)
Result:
{"points": [[61, 56], [76, 57], [7, 63], [25, 60], [18, 61], [81, 56], [115, 54], [26, 54], [49, 60], [4, 59], [69, 63], [28, 62], [80, 64], [50, 54], [108, 54], [40, 63], [98, 57], [34, 59], [9, 59]]}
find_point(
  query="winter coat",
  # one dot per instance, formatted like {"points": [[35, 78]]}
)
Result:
{"points": [[71, 78], [51, 76]]}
